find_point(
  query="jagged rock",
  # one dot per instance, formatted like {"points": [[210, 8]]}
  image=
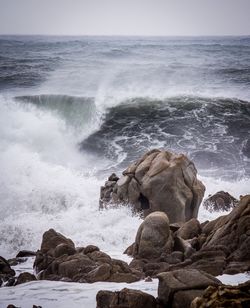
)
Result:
{"points": [[224, 243], [159, 181], [178, 288], [126, 298], [220, 201], [224, 296], [25, 277], [51, 239], [153, 237], [190, 229], [62, 261]]}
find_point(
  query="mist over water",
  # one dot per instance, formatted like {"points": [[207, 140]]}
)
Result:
{"points": [[73, 110]]}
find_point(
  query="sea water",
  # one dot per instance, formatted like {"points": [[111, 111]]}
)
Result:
{"points": [[75, 109]]}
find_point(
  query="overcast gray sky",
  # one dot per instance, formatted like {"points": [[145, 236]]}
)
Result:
{"points": [[125, 17]]}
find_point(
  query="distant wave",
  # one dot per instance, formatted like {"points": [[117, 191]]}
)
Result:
{"points": [[214, 132]]}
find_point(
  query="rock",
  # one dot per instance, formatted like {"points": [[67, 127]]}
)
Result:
{"points": [[224, 245], [233, 232], [5, 268], [221, 201], [90, 248], [159, 181], [62, 261], [153, 237], [25, 277], [51, 239], [25, 253], [6, 273], [224, 296], [178, 288], [16, 261], [12, 306], [125, 298], [64, 249], [190, 229]]}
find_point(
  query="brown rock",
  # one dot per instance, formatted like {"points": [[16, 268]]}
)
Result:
{"points": [[51, 239], [224, 296], [126, 298], [190, 229], [25, 277], [159, 181], [153, 237]]}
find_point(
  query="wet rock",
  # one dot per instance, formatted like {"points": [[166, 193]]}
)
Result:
{"points": [[159, 181], [178, 288], [190, 229], [25, 254], [6, 273], [16, 261], [153, 237], [51, 239], [224, 296], [25, 277], [224, 244], [125, 298], [63, 262], [221, 201]]}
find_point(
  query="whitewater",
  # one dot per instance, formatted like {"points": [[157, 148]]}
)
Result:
{"points": [[75, 109]]}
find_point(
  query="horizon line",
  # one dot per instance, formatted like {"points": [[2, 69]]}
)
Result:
{"points": [[127, 35]]}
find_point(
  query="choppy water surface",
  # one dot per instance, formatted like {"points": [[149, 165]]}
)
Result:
{"points": [[75, 109]]}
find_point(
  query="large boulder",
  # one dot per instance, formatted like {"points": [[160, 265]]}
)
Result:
{"points": [[179, 288], [153, 237], [59, 260], [159, 181], [125, 298], [224, 296]]}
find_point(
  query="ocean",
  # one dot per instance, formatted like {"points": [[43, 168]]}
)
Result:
{"points": [[75, 109]]}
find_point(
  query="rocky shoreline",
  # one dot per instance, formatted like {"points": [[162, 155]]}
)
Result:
{"points": [[171, 244]]}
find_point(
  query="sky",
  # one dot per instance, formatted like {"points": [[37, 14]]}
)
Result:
{"points": [[125, 17]]}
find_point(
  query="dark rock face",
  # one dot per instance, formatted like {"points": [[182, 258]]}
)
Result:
{"points": [[25, 277], [224, 296], [126, 298], [7, 274], [59, 260], [25, 253], [221, 201], [159, 181], [178, 288]]}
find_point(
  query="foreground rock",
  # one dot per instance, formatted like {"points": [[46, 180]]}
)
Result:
{"points": [[25, 277], [159, 181], [126, 298], [224, 244], [217, 247], [224, 297], [58, 259], [179, 288], [153, 237], [221, 201]]}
